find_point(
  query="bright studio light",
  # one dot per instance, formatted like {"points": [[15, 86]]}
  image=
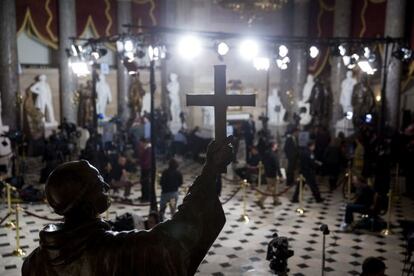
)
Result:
{"points": [[313, 51], [366, 67], [189, 47], [283, 51], [378, 98], [261, 63], [283, 63], [249, 49], [349, 115], [342, 50], [128, 46], [222, 49], [80, 68]]}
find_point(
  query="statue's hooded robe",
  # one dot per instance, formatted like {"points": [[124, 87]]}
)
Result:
{"points": [[175, 247]]}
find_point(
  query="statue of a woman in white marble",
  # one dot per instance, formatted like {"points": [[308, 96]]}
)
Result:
{"points": [[44, 98], [275, 110], [347, 87], [104, 96], [305, 117], [173, 88]]}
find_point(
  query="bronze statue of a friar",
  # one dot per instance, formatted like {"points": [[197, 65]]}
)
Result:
{"points": [[84, 244]]}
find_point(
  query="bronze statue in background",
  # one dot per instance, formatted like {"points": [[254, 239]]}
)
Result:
{"points": [[320, 104], [136, 95], [85, 111], [84, 244], [33, 123], [363, 101]]}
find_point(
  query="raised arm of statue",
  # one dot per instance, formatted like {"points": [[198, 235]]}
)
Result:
{"points": [[201, 217]]}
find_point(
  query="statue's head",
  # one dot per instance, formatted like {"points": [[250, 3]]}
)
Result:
{"points": [[77, 190], [173, 77], [349, 74], [42, 77], [310, 78]]}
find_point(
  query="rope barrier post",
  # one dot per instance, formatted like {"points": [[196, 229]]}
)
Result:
{"points": [[349, 185], [244, 217], [259, 182], [387, 231], [396, 193], [300, 210], [9, 188], [18, 252]]}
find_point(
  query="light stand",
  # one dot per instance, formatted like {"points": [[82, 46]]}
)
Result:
{"points": [[325, 231]]}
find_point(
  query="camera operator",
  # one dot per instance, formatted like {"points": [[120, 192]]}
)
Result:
{"points": [[278, 254]]}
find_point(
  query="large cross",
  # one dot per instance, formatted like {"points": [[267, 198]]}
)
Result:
{"points": [[220, 100]]}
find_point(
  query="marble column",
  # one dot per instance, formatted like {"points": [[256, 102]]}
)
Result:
{"points": [[342, 28], [394, 27], [67, 79], [124, 17], [9, 83], [298, 66]]}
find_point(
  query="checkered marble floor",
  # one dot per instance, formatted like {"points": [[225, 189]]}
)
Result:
{"points": [[241, 247]]}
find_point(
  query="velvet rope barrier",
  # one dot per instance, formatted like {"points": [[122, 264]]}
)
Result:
{"points": [[274, 194], [231, 196], [40, 217], [4, 219]]}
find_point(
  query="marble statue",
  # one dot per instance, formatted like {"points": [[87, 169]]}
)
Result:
{"points": [[85, 109], [146, 103], [104, 96], [84, 243], [303, 104], [44, 99], [276, 111], [347, 87], [208, 116], [173, 88]]}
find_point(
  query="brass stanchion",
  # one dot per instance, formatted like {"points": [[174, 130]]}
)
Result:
{"points": [[18, 252], [396, 193], [387, 231], [244, 217], [9, 188], [259, 182], [349, 185], [301, 209]]}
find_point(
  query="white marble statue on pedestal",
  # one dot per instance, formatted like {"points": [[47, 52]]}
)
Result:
{"points": [[44, 99], [275, 110], [5, 145], [305, 117], [104, 96], [146, 103], [173, 88], [347, 87], [208, 116]]}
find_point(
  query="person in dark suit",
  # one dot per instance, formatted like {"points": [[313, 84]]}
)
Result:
{"points": [[291, 150], [249, 130], [308, 165]]}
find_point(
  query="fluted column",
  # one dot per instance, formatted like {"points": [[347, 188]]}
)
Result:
{"points": [[124, 17], [299, 62], [342, 28], [67, 79], [394, 27], [9, 84]]}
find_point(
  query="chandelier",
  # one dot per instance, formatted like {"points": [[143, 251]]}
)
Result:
{"points": [[252, 6]]}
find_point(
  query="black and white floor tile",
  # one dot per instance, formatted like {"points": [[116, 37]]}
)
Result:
{"points": [[241, 247]]}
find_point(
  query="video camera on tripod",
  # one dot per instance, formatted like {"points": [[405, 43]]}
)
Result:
{"points": [[278, 253]]}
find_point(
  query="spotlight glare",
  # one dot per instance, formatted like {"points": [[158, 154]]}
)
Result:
{"points": [[313, 51], [153, 53], [261, 63], [346, 60], [366, 67], [349, 115], [249, 49], [119, 46], [342, 50], [128, 46], [283, 63], [222, 49], [74, 50], [378, 98], [403, 54], [80, 68], [283, 51], [189, 47]]}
